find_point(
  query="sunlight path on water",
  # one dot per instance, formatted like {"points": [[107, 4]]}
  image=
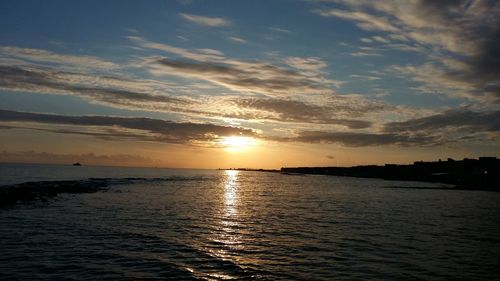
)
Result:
{"points": [[227, 235], [219, 225]]}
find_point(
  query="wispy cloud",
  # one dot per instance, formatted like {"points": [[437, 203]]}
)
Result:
{"points": [[380, 39], [111, 91], [282, 30], [194, 55], [238, 75], [460, 39], [364, 20], [205, 21], [237, 40], [365, 77], [365, 54], [123, 91], [182, 38], [308, 65], [44, 56]]}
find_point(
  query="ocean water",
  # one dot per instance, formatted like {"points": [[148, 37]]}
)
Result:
{"points": [[239, 225]]}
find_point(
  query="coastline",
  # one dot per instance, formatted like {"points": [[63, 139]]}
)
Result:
{"points": [[467, 174], [470, 174]]}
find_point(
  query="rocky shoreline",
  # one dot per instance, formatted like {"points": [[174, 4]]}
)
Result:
{"points": [[42, 190]]}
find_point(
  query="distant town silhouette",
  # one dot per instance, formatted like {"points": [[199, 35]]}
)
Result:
{"points": [[482, 173]]}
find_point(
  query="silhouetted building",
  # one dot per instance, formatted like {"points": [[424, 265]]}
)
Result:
{"points": [[482, 173]]}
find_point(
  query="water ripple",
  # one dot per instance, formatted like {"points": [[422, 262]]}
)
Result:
{"points": [[253, 226]]}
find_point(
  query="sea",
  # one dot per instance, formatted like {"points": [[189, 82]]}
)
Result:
{"points": [[181, 224]]}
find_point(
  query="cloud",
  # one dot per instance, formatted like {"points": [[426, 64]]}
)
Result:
{"points": [[452, 126], [210, 52], [365, 77], [448, 127], [420, 132], [44, 56], [354, 139], [460, 39], [143, 129], [294, 88], [335, 113], [239, 75], [194, 55], [406, 48], [282, 30], [41, 71], [259, 77], [461, 118], [426, 22], [111, 91], [380, 39], [237, 39], [205, 21], [365, 20], [365, 54], [307, 65], [136, 94], [285, 83]]}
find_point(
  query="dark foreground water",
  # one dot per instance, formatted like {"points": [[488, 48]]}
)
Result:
{"points": [[211, 225]]}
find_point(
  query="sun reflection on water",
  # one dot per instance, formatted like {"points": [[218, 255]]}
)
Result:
{"points": [[231, 192], [227, 235]]}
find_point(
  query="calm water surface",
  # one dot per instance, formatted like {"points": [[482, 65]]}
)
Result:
{"points": [[217, 225]]}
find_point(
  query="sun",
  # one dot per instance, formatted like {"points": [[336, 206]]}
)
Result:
{"points": [[236, 143]]}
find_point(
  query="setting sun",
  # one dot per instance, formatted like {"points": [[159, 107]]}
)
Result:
{"points": [[234, 143]]}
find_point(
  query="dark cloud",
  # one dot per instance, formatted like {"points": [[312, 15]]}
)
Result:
{"points": [[477, 24], [462, 118], [362, 139], [299, 75], [447, 127], [298, 111], [30, 79], [130, 127], [482, 70], [243, 76], [461, 39], [422, 132], [47, 80]]}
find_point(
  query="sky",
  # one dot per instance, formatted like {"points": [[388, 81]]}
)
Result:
{"points": [[257, 84]]}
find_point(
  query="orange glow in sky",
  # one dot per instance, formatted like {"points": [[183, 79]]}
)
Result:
{"points": [[237, 143]]}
